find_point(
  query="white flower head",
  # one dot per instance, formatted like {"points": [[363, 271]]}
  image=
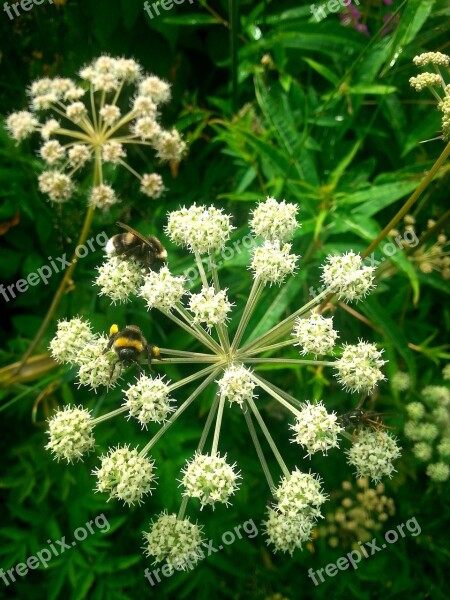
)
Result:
{"points": [[446, 372], [21, 124], [49, 128], [359, 367], [424, 80], [79, 155], [52, 152], [58, 186], [148, 400], [274, 220], [416, 411], [272, 262], [438, 472], [125, 475], [110, 114], [71, 337], [423, 451], [237, 385], [200, 228], [70, 433], [103, 196], [155, 88], [287, 533], [348, 277], [210, 479], [119, 279], [113, 152], [146, 128], [435, 395], [76, 112], [401, 381], [316, 429], [372, 454], [127, 69], [144, 106], [210, 307], [435, 58], [314, 334], [96, 367], [169, 145], [176, 541], [300, 493], [152, 185], [161, 289]]}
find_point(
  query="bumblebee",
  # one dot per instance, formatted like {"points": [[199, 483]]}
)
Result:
{"points": [[129, 343], [147, 251]]}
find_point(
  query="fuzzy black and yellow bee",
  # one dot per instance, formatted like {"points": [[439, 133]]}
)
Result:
{"points": [[129, 344], [147, 251]]}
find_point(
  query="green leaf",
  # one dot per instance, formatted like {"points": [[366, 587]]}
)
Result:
{"points": [[190, 19], [372, 89]]}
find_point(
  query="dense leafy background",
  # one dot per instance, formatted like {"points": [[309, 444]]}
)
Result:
{"points": [[330, 123]]}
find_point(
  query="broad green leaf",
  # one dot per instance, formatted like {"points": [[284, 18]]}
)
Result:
{"points": [[322, 70], [372, 89]]}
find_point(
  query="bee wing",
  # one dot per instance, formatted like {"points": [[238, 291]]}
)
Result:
{"points": [[135, 233]]}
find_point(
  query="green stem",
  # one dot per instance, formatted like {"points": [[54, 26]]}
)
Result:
{"points": [[281, 392], [248, 310], [274, 394], [193, 377], [207, 427], [183, 507], [259, 451], [269, 439], [177, 413], [218, 426], [110, 415], [202, 335], [288, 361]]}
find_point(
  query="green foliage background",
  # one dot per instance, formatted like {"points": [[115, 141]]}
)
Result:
{"points": [[333, 125]]}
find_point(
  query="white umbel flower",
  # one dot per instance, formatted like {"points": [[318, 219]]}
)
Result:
{"points": [[120, 279], [210, 479], [348, 277], [424, 80], [287, 533], [359, 367], [113, 152], [76, 112], [152, 185], [416, 411], [103, 196], [95, 364], [49, 128], [315, 334], [79, 155], [58, 186], [438, 472], [274, 220], [71, 337], [125, 475], [372, 454], [209, 307], [435, 58], [272, 262], [300, 493], [200, 228], [401, 381], [316, 429], [155, 88], [148, 400], [52, 152], [21, 124], [176, 541], [162, 289], [70, 433], [146, 128], [169, 145], [237, 385], [110, 113]]}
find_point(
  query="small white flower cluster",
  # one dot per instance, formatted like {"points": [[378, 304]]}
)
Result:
{"points": [[71, 337], [119, 279], [299, 499], [348, 277], [401, 381], [174, 540], [75, 344], [99, 136], [315, 334], [201, 229], [148, 400], [210, 307], [434, 82], [316, 429], [372, 453], [274, 220], [272, 263], [125, 475], [210, 479], [162, 289], [358, 369], [428, 426], [237, 385], [70, 432]]}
